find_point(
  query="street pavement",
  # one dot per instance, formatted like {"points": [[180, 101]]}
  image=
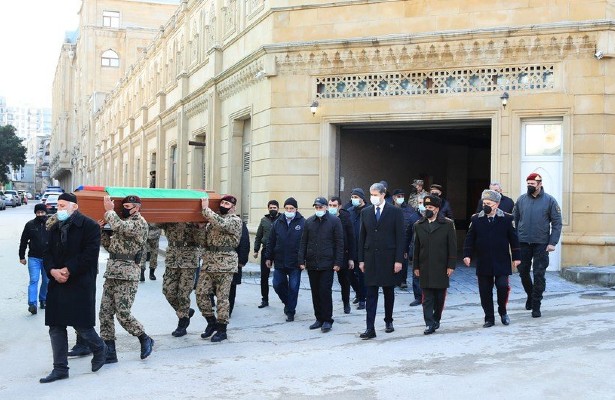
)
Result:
{"points": [[566, 354]]}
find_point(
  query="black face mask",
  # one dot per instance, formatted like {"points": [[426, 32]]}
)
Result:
{"points": [[428, 214], [273, 213], [531, 189], [224, 210], [41, 218], [126, 212], [487, 209]]}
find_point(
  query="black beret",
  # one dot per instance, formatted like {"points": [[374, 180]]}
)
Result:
{"points": [[229, 198]]}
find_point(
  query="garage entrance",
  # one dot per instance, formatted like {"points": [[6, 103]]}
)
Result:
{"points": [[454, 153]]}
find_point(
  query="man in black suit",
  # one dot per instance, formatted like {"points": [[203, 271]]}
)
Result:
{"points": [[380, 255], [493, 238], [506, 203]]}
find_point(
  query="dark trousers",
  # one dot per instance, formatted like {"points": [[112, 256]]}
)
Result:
{"points": [[404, 271], [372, 304], [485, 289], [343, 277], [535, 257], [357, 283], [433, 305], [416, 287], [59, 344], [321, 282], [231, 298], [264, 279]]}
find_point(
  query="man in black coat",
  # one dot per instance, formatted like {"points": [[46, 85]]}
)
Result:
{"points": [[445, 209], [34, 236], [380, 255], [243, 251], [321, 251], [506, 203], [435, 254], [492, 237], [71, 262], [346, 270]]}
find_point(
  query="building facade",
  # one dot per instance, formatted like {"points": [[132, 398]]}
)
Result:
{"points": [[272, 98]]}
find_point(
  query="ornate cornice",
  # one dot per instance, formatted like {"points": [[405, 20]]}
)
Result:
{"points": [[169, 121], [241, 80], [196, 106]]}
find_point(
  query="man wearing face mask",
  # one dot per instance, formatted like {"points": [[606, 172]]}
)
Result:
{"points": [[321, 251], [399, 200], [418, 213], [125, 247], [435, 254], [71, 263], [357, 198], [350, 254], [538, 220], [220, 263], [35, 237], [506, 204], [281, 253], [380, 256], [445, 209], [262, 237], [492, 237]]}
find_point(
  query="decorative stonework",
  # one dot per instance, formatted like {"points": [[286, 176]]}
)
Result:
{"points": [[169, 121], [444, 55], [196, 106], [230, 18], [240, 80], [467, 80], [253, 7]]}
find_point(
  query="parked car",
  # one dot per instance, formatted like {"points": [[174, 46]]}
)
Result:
{"points": [[16, 196], [22, 196], [2, 202], [29, 195], [10, 200], [52, 203]]}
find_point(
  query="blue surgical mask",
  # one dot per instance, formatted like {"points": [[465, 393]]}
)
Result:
{"points": [[399, 200], [320, 213], [355, 202], [289, 214], [421, 208], [62, 215], [333, 210]]}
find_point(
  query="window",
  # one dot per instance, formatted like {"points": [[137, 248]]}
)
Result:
{"points": [[543, 139], [173, 166], [111, 19], [110, 59]]}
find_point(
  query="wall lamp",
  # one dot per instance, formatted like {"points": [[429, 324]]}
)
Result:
{"points": [[314, 107], [504, 98]]}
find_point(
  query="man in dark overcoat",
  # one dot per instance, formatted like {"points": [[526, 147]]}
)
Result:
{"points": [[492, 237], [435, 253], [71, 262], [380, 255]]}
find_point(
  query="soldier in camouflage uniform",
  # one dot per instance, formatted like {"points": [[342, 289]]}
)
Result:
{"points": [[151, 250], [124, 245], [181, 261], [222, 235]]}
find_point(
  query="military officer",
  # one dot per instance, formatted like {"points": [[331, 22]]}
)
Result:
{"points": [[124, 245], [181, 262], [222, 235]]}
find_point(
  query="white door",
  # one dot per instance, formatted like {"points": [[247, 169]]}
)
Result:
{"points": [[541, 152]]}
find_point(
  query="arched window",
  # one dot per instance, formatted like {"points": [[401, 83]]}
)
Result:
{"points": [[110, 59]]}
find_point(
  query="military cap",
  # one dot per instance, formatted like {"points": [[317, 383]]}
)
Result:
{"points": [[131, 199], [432, 201]]}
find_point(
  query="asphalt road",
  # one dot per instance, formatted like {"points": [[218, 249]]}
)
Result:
{"points": [[566, 354]]}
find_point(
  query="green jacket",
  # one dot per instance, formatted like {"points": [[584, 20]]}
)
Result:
{"points": [[435, 250]]}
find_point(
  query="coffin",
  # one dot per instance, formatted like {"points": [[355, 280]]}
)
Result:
{"points": [[158, 205]]}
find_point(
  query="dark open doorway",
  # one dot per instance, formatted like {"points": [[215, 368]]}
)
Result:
{"points": [[454, 154]]}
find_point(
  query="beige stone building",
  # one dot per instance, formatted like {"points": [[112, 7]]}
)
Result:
{"points": [[457, 92]]}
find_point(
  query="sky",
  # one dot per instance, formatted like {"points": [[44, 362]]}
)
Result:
{"points": [[31, 36]]}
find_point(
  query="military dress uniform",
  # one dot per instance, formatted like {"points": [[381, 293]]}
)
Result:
{"points": [[181, 261], [220, 260], [125, 246]]}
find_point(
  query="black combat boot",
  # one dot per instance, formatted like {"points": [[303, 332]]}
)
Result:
{"points": [[142, 278], [152, 276], [111, 354], [210, 328], [147, 345], [181, 327], [100, 357], [220, 334]]}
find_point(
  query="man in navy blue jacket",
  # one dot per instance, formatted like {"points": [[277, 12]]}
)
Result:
{"points": [[492, 237], [282, 252], [35, 237]]}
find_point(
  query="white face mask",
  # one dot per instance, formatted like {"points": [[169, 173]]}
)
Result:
{"points": [[355, 202], [399, 200], [289, 214], [375, 200]]}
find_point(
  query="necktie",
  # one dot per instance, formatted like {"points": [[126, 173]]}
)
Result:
{"points": [[490, 219], [377, 214]]}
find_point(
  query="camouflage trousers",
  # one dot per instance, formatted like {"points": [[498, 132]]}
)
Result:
{"points": [[151, 246], [219, 284], [177, 284], [117, 298]]}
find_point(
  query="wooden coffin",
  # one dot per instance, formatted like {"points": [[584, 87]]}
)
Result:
{"points": [[158, 205]]}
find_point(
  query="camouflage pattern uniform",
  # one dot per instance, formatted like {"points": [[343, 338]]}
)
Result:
{"points": [[181, 261], [151, 246], [122, 274], [220, 239]]}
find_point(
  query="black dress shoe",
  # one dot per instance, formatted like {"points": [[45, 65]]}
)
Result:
{"points": [[389, 327], [488, 324], [429, 330], [361, 305], [505, 319], [368, 334], [32, 309], [264, 304], [416, 303], [326, 327], [536, 314], [43, 305], [355, 300], [54, 376], [316, 325], [528, 303], [436, 325], [290, 317], [346, 308]]}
